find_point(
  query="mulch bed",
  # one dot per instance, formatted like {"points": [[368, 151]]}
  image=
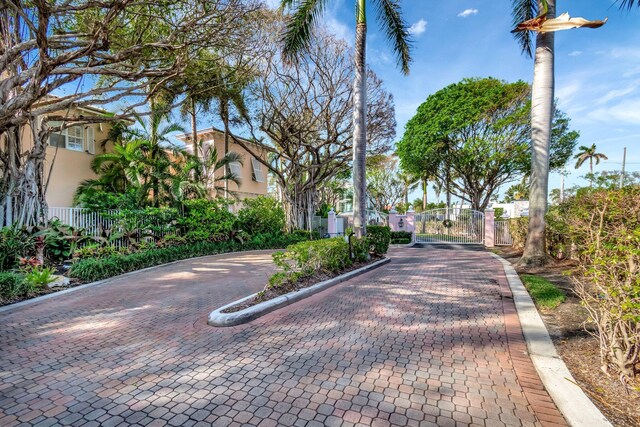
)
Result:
{"points": [[301, 284], [579, 350]]}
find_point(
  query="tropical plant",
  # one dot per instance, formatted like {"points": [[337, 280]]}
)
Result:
{"points": [[38, 278], [539, 16], [305, 15], [207, 171], [589, 153]]}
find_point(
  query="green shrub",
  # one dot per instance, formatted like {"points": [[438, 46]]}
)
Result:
{"points": [[14, 244], [401, 237], [208, 220], [400, 241], [91, 269], [11, 285], [518, 230], [604, 225], [306, 259], [378, 238], [38, 278], [261, 215], [360, 248]]}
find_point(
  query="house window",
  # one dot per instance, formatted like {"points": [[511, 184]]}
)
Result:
{"points": [[75, 138], [236, 169], [71, 138], [258, 175]]}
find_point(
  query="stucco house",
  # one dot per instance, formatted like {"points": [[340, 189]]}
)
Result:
{"points": [[69, 154], [252, 173]]}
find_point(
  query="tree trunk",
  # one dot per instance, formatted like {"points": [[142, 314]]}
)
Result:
{"points": [[424, 194], [194, 128], [359, 124], [224, 111], [591, 172], [542, 93]]}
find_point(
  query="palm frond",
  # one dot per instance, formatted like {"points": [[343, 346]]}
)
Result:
{"points": [[300, 25], [627, 4], [390, 19], [524, 10]]}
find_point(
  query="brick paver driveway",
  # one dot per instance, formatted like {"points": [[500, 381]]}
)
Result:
{"points": [[430, 339]]}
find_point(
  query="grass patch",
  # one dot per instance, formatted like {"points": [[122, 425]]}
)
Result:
{"points": [[544, 293]]}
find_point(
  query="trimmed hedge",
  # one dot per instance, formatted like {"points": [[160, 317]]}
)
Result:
{"points": [[401, 237], [378, 238], [92, 269]]}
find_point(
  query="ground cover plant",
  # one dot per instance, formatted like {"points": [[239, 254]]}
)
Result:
{"points": [[545, 294]]}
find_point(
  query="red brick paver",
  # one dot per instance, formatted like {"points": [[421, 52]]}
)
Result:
{"points": [[423, 340]]}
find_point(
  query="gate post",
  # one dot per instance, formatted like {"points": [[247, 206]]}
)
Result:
{"points": [[393, 219], [489, 228], [332, 224]]}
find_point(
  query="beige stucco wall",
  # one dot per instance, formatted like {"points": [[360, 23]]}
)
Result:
{"points": [[65, 169]]}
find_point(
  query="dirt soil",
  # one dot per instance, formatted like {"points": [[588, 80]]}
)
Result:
{"points": [[580, 350], [301, 284]]}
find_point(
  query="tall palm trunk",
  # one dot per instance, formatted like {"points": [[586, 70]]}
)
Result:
{"points": [[224, 111], [424, 194], [359, 124], [542, 93], [591, 171], [194, 127]]}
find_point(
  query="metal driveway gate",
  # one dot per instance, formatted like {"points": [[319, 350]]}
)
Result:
{"points": [[450, 225]]}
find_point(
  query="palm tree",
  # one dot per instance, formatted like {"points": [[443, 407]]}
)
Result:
{"points": [[539, 16], [207, 170], [589, 153], [297, 37]]}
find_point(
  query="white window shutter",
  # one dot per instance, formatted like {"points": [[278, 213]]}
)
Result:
{"points": [[91, 140], [235, 169], [258, 176]]}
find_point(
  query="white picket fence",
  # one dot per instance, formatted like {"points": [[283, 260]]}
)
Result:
{"points": [[95, 224], [502, 233]]}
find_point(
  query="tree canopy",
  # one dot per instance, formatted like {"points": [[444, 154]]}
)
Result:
{"points": [[474, 136]]}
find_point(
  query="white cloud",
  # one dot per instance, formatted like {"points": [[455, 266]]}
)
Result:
{"points": [[576, 53], [468, 12], [626, 111], [418, 28], [617, 93]]}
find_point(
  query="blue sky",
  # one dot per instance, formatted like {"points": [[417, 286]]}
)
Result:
{"points": [[597, 70]]}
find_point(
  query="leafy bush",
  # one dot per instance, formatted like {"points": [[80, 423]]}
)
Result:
{"points": [[261, 215], [518, 228], [378, 238], [306, 259], [61, 240], [38, 278], [401, 237], [91, 269], [11, 285], [605, 227], [208, 220], [360, 248], [14, 244]]}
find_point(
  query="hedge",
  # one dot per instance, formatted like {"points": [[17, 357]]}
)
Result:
{"points": [[92, 269]]}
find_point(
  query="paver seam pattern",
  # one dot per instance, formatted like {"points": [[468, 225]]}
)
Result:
{"points": [[421, 341], [535, 392]]}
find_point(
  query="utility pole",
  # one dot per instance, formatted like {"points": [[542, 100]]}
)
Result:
{"points": [[624, 161]]}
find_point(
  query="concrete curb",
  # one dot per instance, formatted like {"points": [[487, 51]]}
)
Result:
{"points": [[219, 319], [109, 279], [576, 407]]}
